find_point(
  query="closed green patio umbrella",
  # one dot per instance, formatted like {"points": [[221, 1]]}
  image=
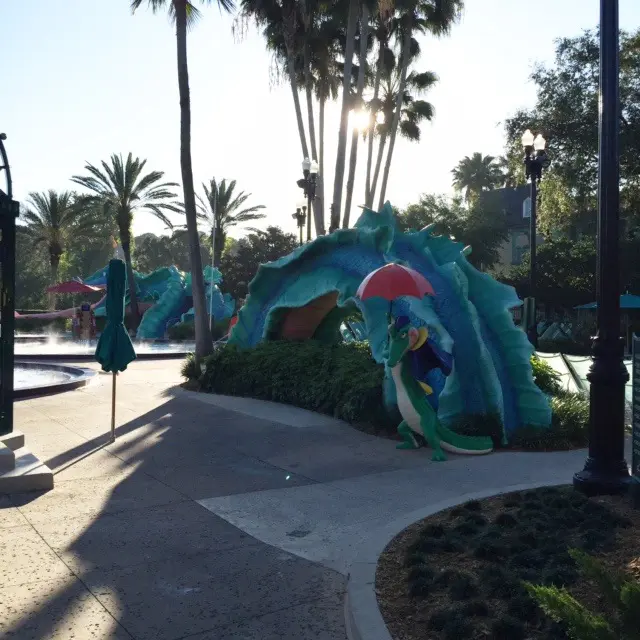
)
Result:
{"points": [[115, 351]]}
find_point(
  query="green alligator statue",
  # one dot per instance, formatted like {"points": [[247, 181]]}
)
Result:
{"points": [[411, 355]]}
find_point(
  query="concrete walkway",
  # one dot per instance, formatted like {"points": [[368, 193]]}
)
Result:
{"points": [[210, 518]]}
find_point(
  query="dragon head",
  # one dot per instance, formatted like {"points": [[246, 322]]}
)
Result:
{"points": [[402, 337]]}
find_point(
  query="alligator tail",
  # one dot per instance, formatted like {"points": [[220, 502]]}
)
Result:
{"points": [[456, 443]]}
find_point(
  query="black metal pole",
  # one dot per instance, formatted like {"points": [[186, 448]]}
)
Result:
{"points": [[533, 326], [9, 211], [308, 213], [606, 471]]}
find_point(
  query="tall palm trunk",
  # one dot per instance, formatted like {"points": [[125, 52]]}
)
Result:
{"points": [[320, 228], [291, 72], [404, 57], [125, 239], [204, 343], [376, 173], [352, 23], [369, 193], [54, 263], [220, 240], [318, 214], [355, 135]]}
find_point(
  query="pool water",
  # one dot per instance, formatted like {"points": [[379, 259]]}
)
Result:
{"points": [[29, 377], [52, 347]]}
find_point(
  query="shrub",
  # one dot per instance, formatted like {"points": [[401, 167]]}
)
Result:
{"points": [[186, 330], [463, 587], [341, 380], [481, 424], [622, 621], [507, 628], [569, 426], [189, 370], [545, 376], [182, 331]]}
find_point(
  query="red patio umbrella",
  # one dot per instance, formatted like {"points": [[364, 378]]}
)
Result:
{"points": [[73, 286]]}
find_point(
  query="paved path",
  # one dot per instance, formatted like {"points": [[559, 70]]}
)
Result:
{"points": [[210, 518]]}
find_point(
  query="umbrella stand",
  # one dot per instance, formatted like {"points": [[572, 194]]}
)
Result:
{"points": [[113, 409]]}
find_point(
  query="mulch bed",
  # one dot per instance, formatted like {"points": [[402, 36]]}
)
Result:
{"points": [[458, 574]]}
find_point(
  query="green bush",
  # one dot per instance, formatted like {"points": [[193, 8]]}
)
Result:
{"points": [[622, 595], [545, 376], [190, 370], [341, 380], [186, 330], [181, 331], [569, 426]]}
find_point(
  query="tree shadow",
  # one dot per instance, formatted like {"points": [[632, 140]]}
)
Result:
{"points": [[163, 566]]}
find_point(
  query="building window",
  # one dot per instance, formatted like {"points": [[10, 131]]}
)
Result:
{"points": [[526, 208], [519, 246]]}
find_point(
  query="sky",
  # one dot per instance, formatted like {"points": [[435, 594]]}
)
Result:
{"points": [[82, 79]]}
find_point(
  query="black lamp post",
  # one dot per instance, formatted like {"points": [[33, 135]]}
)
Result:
{"points": [[535, 160], [606, 471], [300, 217], [9, 211], [308, 185]]}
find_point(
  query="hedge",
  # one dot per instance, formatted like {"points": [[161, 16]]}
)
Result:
{"points": [[341, 380], [344, 381]]}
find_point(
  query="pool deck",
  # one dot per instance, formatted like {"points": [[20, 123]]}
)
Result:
{"points": [[209, 518]]}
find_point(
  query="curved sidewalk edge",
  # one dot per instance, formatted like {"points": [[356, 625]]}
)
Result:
{"points": [[363, 619]]}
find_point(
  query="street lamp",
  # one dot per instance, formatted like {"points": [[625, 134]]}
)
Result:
{"points": [[606, 471], [300, 216], [535, 160], [308, 185]]}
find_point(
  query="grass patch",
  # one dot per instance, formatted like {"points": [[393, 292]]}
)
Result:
{"points": [[503, 544]]}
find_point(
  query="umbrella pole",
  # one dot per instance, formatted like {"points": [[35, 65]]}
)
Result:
{"points": [[113, 409]]}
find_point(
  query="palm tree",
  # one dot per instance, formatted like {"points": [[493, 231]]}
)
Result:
{"points": [[53, 220], [412, 113], [352, 24], [184, 14], [222, 209], [363, 38], [415, 16], [281, 22], [120, 189], [384, 63], [476, 174]]}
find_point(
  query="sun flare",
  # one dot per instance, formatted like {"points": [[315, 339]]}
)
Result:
{"points": [[360, 119]]}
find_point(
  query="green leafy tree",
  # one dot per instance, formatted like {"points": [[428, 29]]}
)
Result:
{"points": [[566, 112], [241, 258], [184, 13], [481, 227], [565, 273], [152, 252], [157, 251], [52, 220], [33, 274], [119, 189], [476, 174], [223, 208]]}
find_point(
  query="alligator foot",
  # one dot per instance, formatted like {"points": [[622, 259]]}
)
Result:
{"points": [[439, 456], [408, 437]]}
